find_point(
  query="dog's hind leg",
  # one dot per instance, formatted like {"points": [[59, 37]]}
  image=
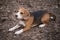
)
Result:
{"points": [[45, 20], [42, 25]]}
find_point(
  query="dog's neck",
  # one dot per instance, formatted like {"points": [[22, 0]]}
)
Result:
{"points": [[27, 17]]}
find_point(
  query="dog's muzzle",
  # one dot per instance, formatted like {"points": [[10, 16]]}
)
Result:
{"points": [[16, 15]]}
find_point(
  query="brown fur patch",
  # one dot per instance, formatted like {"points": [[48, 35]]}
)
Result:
{"points": [[45, 19], [29, 23]]}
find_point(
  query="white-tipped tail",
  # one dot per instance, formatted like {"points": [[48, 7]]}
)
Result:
{"points": [[52, 17]]}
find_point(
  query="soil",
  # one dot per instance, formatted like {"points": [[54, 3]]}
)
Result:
{"points": [[7, 20]]}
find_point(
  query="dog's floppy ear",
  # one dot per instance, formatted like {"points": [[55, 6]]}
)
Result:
{"points": [[25, 11], [27, 15]]}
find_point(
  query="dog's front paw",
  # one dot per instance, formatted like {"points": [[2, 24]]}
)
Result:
{"points": [[11, 29], [19, 32]]}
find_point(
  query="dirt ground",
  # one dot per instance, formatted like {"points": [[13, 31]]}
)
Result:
{"points": [[7, 20]]}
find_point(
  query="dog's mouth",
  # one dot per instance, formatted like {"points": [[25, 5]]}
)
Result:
{"points": [[19, 18]]}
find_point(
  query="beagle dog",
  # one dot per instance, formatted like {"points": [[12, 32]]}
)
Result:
{"points": [[29, 20]]}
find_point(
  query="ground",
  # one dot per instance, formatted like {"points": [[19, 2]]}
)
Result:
{"points": [[7, 20]]}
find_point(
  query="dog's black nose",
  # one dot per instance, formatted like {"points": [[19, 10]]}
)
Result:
{"points": [[16, 15]]}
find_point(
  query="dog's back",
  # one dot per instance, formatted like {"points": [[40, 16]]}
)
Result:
{"points": [[37, 16]]}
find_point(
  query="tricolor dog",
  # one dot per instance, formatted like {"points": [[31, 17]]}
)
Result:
{"points": [[29, 20]]}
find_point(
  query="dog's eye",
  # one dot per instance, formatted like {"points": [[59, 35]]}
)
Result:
{"points": [[21, 13], [16, 11]]}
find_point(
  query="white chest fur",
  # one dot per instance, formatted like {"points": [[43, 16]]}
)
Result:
{"points": [[22, 22]]}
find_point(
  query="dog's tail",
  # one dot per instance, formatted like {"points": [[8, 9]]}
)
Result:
{"points": [[52, 17]]}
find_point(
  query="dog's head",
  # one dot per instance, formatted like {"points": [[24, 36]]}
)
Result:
{"points": [[22, 13]]}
